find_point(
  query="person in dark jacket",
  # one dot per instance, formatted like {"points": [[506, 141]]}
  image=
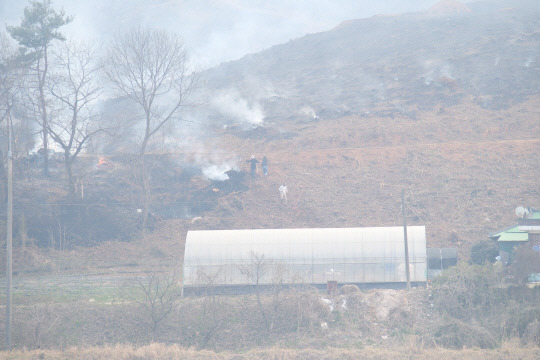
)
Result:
{"points": [[253, 167], [264, 166]]}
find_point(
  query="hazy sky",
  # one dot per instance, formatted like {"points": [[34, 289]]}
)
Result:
{"points": [[215, 30]]}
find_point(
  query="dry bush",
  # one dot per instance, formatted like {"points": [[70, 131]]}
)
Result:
{"points": [[468, 291], [349, 289], [522, 322], [240, 324], [212, 310], [456, 334], [531, 335], [269, 277], [300, 312], [160, 293], [526, 261], [472, 294], [35, 326], [359, 309]]}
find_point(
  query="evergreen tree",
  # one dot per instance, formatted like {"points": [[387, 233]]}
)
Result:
{"points": [[38, 29]]}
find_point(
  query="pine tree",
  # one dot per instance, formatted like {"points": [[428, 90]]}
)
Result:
{"points": [[38, 29]]}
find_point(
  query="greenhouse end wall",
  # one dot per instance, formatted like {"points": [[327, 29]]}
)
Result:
{"points": [[303, 256]]}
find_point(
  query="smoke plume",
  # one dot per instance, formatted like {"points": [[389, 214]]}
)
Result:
{"points": [[238, 109]]}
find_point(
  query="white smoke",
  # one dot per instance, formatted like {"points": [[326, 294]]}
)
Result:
{"points": [[529, 61], [215, 164], [446, 71], [238, 109], [435, 69], [308, 111], [217, 172]]}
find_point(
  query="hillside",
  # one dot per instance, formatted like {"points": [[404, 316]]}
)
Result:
{"points": [[443, 104], [402, 63]]}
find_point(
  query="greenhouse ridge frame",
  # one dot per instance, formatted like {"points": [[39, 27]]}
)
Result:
{"points": [[368, 257]]}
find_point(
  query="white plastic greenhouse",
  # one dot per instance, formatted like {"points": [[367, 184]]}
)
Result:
{"points": [[362, 256]]}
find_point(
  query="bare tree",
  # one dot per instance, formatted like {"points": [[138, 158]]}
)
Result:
{"points": [[73, 87], [160, 294], [255, 271], [213, 320], [261, 271], [38, 323], [38, 29], [150, 67]]}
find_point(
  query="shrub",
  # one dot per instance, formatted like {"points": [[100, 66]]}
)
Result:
{"points": [[532, 333], [522, 321], [468, 291], [484, 251], [526, 261], [456, 334], [349, 289]]}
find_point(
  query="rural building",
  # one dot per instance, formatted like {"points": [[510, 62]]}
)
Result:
{"points": [[237, 260], [439, 259], [527, 230]]}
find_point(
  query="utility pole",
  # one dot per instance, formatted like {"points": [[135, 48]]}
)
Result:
{"points": [[407, 270], [9, 237]]}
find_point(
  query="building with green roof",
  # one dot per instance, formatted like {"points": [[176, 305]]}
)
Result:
{"points": [[527, 229]]}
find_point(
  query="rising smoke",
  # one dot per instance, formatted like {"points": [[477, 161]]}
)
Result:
{"points": [[215, 164], [308, 111], [238, 109], [217, 172]]}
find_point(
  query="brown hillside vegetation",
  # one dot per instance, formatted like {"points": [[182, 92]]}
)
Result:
{"points": [[464, 169], [402, 103]]}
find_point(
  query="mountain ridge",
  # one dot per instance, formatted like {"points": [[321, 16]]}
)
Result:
{"points": [[401, 59]]}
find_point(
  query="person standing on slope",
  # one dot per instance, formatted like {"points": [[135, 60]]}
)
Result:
{"points": [[283, 193], [253, 167]]}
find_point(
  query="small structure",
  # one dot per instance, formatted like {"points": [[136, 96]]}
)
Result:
{"points": [[527, 229], [439, 259], [371, 257]]}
